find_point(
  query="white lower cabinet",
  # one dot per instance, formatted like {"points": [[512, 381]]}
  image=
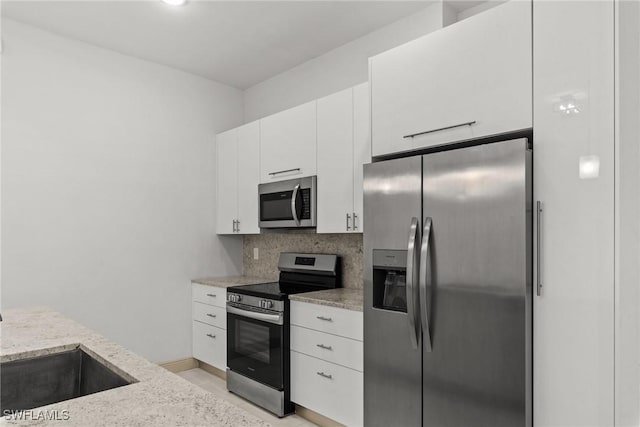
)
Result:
{"points": [[326, 368], [210, 344], [328, 389], [209, 325]]}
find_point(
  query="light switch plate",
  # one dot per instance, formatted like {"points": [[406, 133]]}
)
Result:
{"points": [[255, 253]]}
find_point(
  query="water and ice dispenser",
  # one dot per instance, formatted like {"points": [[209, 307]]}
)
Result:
{"points": [[389, 279]]}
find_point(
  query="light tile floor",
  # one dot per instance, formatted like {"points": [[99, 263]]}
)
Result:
{"points": [[217, 386]]}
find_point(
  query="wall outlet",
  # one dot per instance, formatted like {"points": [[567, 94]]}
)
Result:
{"points": [[256, 254]]}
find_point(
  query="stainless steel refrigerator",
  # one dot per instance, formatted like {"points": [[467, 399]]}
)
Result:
{"points": [[448, 303]]}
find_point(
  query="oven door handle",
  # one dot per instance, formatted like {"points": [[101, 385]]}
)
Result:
{"points": [[276, 319]]}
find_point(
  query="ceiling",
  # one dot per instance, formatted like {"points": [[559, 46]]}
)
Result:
{"points": [[239, 43]]}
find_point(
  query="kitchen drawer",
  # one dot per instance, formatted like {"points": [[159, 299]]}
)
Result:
{"points": [[332, 320], [210, 314], [209, 295], [210, 344], [332, 348], [337, 395]]}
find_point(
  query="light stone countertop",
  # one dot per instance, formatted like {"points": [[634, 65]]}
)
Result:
{"points": [[158, 398], [348, 298], [227, 281]]}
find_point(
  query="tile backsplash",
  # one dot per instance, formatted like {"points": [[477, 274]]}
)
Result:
{"points": [[269, 245]]}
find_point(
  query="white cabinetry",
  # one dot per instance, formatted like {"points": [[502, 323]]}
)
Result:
{"points": [[327, 361], [343, 147], [209, 325], [238, 166], [227, 181], [574, 179], [475, 71], [288, 144]]}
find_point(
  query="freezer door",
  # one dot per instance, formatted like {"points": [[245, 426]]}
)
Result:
{"points": [[477, 287], [392, 350]]}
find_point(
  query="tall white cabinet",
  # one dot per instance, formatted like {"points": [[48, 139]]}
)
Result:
{"points": [[343, 148], [573, 63], [238, 175]]}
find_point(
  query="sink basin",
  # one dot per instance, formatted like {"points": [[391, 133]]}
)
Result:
{"points": [[30, 383]]}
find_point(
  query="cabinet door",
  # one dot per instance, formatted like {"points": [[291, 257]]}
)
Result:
{"points": [[361, 149], [574, 178], [248, 177], [227, 181], [209, 344], [477, 70], [335, 163], [288, 144]]}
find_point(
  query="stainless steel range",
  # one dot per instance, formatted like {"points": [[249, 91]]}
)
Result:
{"points": [[258, 328]]}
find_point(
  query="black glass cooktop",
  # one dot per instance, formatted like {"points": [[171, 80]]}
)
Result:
{"points": [[274, 290]]}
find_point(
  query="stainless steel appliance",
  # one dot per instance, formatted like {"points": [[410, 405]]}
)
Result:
{"points": [[288, 204], [448, 307], [258, 363]]}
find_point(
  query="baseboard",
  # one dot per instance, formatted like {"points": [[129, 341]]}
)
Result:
{"points": [[316, 418], [180, 365], [211, 369]]}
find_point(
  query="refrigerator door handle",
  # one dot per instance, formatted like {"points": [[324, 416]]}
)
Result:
{"points": [[425, 257], [412, 261]]}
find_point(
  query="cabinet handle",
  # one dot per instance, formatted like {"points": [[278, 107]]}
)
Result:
{"points": [[326, 319], [539, 247], [234, 225], [439, 129], [325, 347], [211, 336], [355, 224], [348, 219], [322, 374], [284, 171], [211, 315], [237, 225], [212, 295]]}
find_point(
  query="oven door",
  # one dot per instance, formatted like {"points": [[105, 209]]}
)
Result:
{"points": [[255, 341]]}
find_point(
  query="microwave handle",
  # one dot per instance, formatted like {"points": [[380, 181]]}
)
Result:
{"points": [[294, 196]]}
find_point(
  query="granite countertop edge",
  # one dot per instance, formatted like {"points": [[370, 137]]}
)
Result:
{"points": [[346, 298], [228, 281]]}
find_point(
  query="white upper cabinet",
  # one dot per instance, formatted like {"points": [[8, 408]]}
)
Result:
{"points": [[248, 178], [343, 147], [361, 149], [574, 174], [335, 163], [227, 181], [288, 144], [468, 80], [238, 175]]}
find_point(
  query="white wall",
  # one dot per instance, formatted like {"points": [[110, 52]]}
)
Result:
{"points": [[108, 188], [338, 69]]}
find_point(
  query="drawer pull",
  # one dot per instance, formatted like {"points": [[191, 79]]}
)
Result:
{"points": [[326, 319], [322, 374], [326, 347], [211, 336], [212, 295], [211, 315], [413, 135]]}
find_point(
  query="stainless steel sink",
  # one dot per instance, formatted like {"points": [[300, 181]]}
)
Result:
{"points": [[42, 380]]}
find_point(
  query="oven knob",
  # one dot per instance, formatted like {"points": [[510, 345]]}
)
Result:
{"points": [[266, 304]]}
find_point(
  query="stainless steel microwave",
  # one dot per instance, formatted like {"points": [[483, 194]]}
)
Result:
{"points": [[288, 204]]}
